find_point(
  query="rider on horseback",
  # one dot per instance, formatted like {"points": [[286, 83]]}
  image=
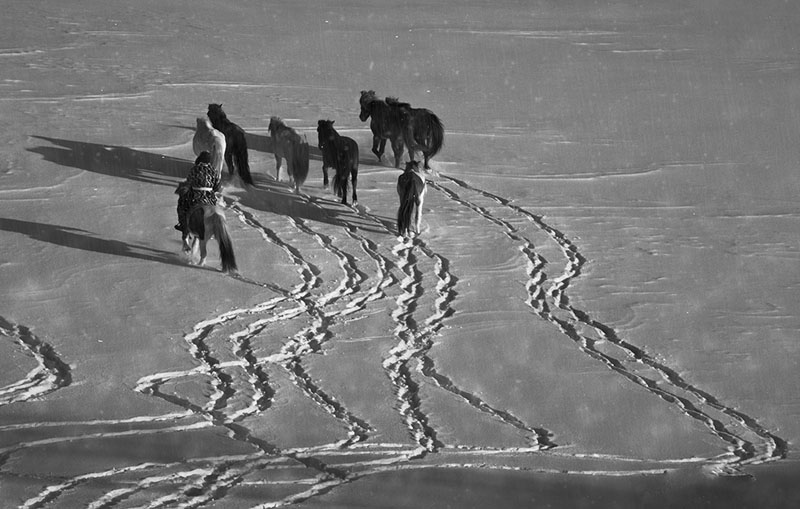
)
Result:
{"points": [[200, 188]]}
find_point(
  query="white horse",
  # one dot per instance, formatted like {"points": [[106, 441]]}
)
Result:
{"points": [[411, 189], [209, 139]]}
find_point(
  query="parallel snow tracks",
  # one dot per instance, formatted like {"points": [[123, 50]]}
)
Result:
{"points": [[50, 374], [748, 441], [415, 340], [227, 474], [410, 344]]}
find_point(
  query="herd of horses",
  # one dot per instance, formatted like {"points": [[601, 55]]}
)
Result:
{"points": [[405, 127]]}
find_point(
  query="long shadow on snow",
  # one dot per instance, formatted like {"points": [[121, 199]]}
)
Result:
{"points": [[277, 198], [114, 160], [81, 239], [263, 143]]}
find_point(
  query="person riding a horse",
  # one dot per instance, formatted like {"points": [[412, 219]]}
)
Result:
{"points": [[200, 188]]}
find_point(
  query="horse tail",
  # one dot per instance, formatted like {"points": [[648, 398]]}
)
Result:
{"points": [[300, 152], [240, 157], [351, 154], [224, 241], [436, 129], [408, 200]]}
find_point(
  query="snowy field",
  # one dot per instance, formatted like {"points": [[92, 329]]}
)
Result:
{"points": [[602, 309]]}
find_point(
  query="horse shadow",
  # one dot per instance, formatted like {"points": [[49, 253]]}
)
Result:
{"points": [[114, 160], [77, 238], [268, 195], [263, 143], [278, 198]]}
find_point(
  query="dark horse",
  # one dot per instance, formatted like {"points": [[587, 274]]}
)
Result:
{"points": [[421, 129], [236, 144], [385, 124], [340, 153], [202, 223]]}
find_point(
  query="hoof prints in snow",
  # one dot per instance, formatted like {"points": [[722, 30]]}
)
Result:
{"points": [[245, 387]]}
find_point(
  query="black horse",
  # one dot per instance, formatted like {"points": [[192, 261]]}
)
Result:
{"points": [[421, 129], [341, 153], [385, 125], [236, 144]]}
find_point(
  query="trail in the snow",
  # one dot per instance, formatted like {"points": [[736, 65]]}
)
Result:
{"points": [[748, 441], [235, 397], [50, 374]]}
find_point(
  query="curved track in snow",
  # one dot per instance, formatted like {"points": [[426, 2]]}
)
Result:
{"points": [[242, 378]]}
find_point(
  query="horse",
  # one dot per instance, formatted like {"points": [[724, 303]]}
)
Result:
{"points": [[411, 189], [286, 143], [385, 124], [340, 153], [236, 143], [421, 129], [202, 223], [208, 139]]}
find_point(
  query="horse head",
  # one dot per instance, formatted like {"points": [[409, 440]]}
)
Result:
{"points": [[366, 100], [274, 124], [215, 111], [324, 132], [412, 166]]}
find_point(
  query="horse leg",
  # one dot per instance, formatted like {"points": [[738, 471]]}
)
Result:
{"points": [[324, 175], [354, 178], [277, 166], [344, 190], [203, 251], [193, 251], [382, 148], [378, 145], [397, 148], [417, 216], [420, 200]]}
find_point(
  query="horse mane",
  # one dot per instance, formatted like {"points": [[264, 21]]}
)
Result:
{"points": [[394, 101], [327, 124], [276, 122]]}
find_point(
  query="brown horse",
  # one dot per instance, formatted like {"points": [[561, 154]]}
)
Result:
{"points": [[286, 143], [236, 143], [421, 129], [411, 189], [341, 153], [385, 124]]}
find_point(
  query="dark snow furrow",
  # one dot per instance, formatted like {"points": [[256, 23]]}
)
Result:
{"points": [[358, 429], [383, 280], [308, 272], [50, 374], [224, 476], [351, 283], [745, 451]]}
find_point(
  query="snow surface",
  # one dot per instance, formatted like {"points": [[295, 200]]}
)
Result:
{"points": [[603, 306]]}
